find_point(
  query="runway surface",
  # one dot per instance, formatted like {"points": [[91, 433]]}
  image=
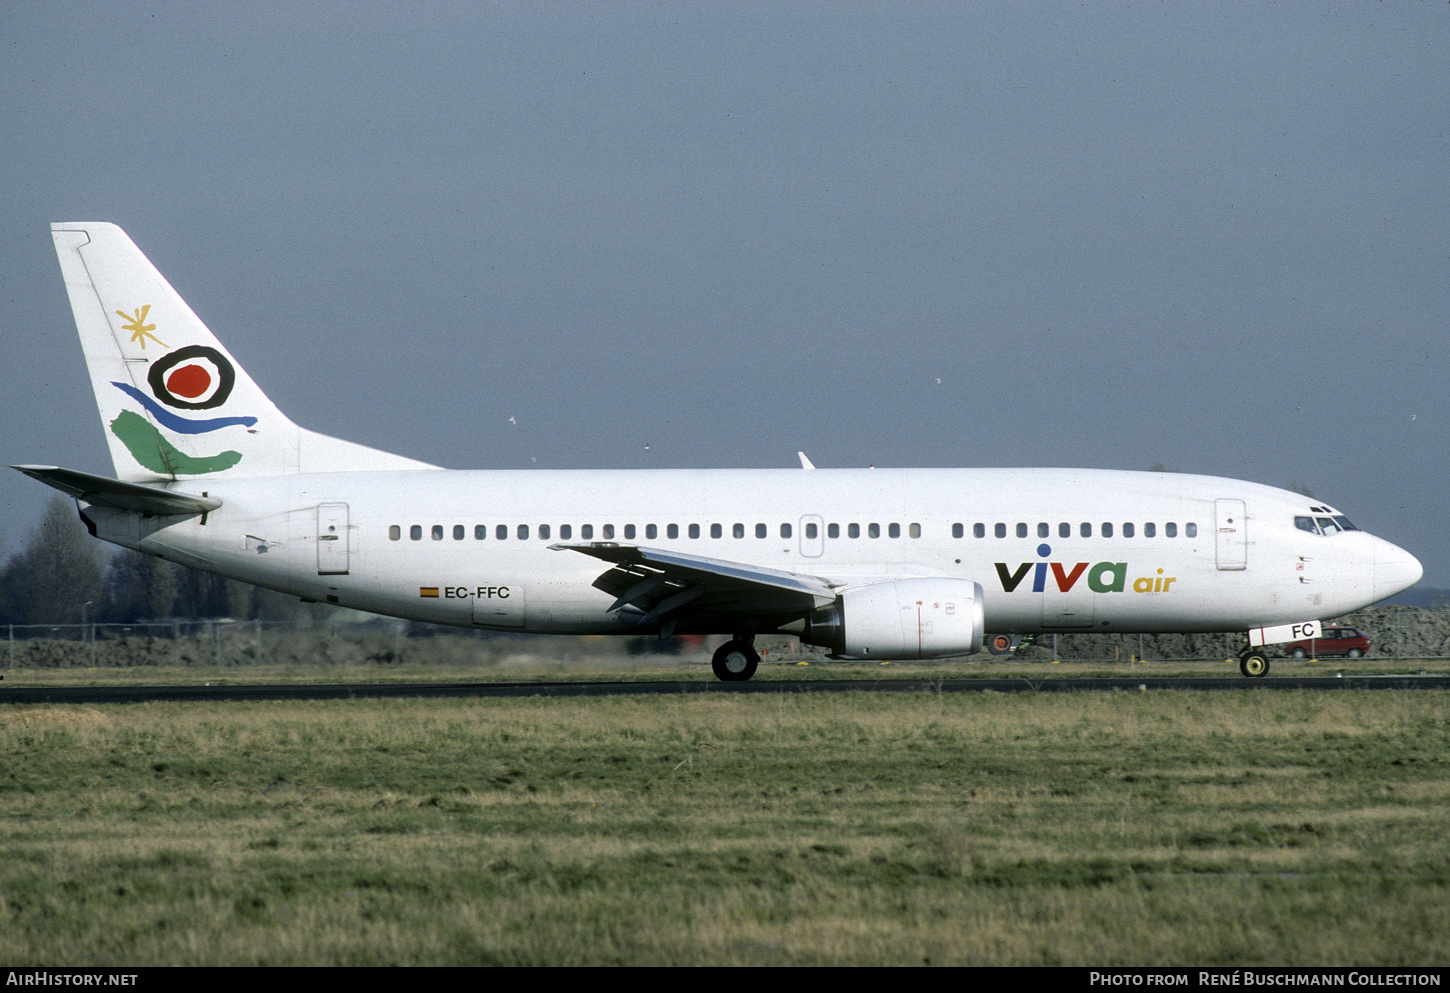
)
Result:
{"points": [[367, 691]]}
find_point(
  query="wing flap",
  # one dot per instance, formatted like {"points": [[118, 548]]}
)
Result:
{"points": [[664, 585], [701, 568]]}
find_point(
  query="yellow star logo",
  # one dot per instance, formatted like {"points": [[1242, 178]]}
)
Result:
{"points": [[142, 331]]}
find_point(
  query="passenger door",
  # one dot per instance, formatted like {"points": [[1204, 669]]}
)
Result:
{"points": [[1231, 533], [332, 539]]}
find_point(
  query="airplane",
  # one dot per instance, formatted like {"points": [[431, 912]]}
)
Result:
{"points": [[874, 564]]}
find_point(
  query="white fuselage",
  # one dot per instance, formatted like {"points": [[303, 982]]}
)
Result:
{"points": [[874, 563], [1179, 553]]}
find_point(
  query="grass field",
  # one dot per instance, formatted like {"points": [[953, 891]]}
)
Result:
{"points": [[1131, 828]]}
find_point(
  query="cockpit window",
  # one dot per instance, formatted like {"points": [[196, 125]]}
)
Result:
{"points": [[1324, 525]]}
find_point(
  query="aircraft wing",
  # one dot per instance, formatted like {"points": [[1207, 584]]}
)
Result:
{"points": [[135, 497], [664, 585]]}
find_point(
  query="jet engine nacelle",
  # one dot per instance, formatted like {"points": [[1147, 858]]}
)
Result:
{"points": [[903, 619]]}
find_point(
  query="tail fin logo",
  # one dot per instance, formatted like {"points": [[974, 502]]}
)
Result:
{"points": [[195, 377], [141, 330], [192, 378]]}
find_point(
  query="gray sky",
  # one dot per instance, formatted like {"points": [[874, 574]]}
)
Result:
{"points": [[1206, 236]]}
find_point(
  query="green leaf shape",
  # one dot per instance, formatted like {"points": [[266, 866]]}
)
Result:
{"points": [[157, 454]]}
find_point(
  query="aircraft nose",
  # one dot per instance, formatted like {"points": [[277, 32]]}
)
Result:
{"points": [[1395, 570]]}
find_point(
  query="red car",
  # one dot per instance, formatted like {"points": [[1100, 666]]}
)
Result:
{"points": [[1331, 641]]}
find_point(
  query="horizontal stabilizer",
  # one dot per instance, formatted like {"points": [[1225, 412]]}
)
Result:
{"points": [[135, 497]]}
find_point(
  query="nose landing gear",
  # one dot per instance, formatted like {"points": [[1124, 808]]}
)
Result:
{"points": [[1254, 663]]}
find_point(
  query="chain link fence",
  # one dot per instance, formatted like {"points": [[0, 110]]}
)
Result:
{"points": [[1394, 632], [235, 643]]}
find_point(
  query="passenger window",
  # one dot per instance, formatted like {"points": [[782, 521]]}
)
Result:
{"points": [[738, 530], [523, 532], [1000, 530], [716, 531], [1170, 530], [629, 532], [672, 531], [1107, 529], [893, 530], [1021, 530], [833, 530], [1064, 530], [438, 532], [544, 532], [761, 531], [1190, 530], [566, 531], [958, 531], [479, 532], [1127, 530], [979, 530], [501, 532], [416, 532], [811, 531], [915, 530], [1043, 529], [586, 532], [1085, 529], [694, 530], [785, 531], [651, 532], [606, 531], [853, 530], [394, 532], [458, 532], [1150, 530]]}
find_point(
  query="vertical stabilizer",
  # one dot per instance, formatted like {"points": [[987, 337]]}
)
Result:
{"points": [[174, 403]]}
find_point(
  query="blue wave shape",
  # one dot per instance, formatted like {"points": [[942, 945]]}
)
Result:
{"points": [[182, 425]]}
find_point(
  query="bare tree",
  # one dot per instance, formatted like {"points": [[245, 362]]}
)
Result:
{"points": [[241, 599], [58, 574], [160, 588]]}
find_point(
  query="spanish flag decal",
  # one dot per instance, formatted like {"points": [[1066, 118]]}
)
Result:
{"points": [[429, 591]]}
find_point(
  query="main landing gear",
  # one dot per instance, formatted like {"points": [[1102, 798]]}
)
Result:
{"points": [[1254, 663], [735, 661]]}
